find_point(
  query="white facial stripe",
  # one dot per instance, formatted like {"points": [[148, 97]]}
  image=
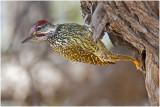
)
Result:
{"points": [[47, 32]]}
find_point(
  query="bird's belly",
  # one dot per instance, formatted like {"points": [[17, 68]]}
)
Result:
{"points": [[79, 55]]}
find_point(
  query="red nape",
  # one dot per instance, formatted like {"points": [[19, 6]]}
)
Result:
{"points": [[42, 21], [40, 35]]}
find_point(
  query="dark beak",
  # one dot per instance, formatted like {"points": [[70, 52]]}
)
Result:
{"points": [[27, 39]]}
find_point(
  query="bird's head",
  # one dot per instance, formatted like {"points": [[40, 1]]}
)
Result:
{"points": [[40, 31]]}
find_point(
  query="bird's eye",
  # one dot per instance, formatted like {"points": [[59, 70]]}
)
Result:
{"points": [[38, 28]]}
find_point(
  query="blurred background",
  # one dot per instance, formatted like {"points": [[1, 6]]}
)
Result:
{"points": [[33, 74]]}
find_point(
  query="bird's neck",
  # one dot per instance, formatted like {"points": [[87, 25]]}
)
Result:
{"points": [[54, 27], [52, 32], [51, 36]]}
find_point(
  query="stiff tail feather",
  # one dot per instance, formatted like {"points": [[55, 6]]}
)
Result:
{"points": [[117, 57]]}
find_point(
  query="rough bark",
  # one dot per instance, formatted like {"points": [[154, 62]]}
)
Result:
{"points": [[134, 24]]}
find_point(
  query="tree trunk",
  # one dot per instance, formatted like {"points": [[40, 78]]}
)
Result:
{"points": [[134, 24]]}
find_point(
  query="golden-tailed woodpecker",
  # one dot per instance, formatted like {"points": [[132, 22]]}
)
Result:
{"points": [[74, 42]]}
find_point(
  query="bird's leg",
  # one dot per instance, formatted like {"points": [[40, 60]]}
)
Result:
{"points": [[84, 21], [87, 26]]}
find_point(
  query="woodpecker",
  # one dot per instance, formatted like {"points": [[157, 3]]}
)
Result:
{"points": [[74, 42]]}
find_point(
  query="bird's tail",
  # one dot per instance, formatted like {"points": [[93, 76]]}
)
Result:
{"points": [[117, 57]]}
